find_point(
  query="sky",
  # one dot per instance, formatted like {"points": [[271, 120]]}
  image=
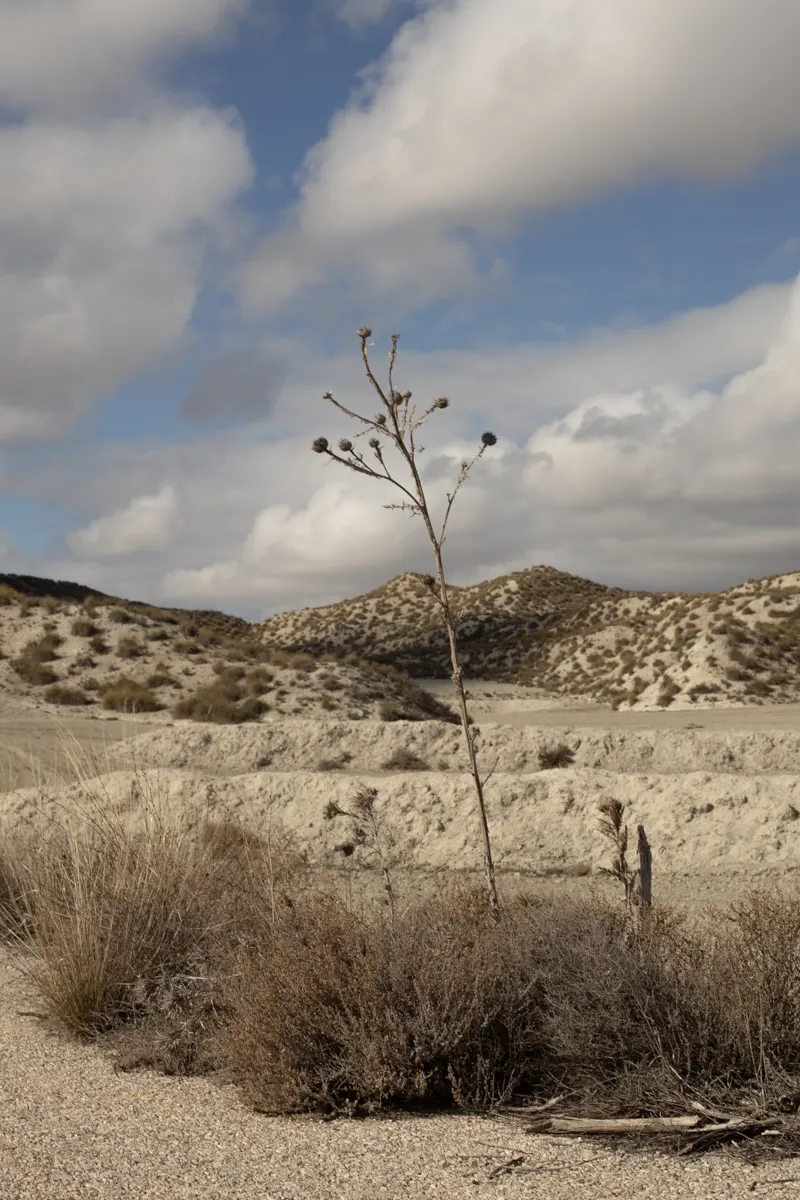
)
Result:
{"points": [[581, 216]]}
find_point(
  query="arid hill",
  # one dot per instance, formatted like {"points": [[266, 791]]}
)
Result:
{"points": [[568, 635], [63, 645]]}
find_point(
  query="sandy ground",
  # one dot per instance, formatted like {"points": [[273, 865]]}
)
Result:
{"points": [[35, 746]]}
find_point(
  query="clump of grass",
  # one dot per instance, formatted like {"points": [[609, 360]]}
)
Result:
{"points": [[551, 757], [84, 627], [32, 664], [405, 760], [129, 647], [218, 953], [335, 763], [120, 616], [98, 644], [60, 693], [161, 678], [8, 596], [128, 695], [227, 701]]}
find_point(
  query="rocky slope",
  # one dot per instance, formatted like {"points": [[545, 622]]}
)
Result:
{"points": [[551, 630]]}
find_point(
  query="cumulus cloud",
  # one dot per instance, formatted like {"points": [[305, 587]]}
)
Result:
{"points": [[71, 52], [661, 486], [626, 465], [481, 114], [148, 523], [102, 236], [107, 210]]}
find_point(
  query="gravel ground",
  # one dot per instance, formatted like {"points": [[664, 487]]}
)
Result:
{"points": [[70, 1126]]}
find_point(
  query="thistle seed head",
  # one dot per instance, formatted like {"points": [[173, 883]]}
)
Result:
{"points": [[364, 333], [375, 443], [345, 445], [380, 419], [442, 402], [319, 445], [488, 439], [397, 398]]}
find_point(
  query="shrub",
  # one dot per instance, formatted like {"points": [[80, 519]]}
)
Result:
{"points": [[84, 627], [405, 760], [98, 645], [129, 647], [128, 695], [335, 764], [227, 701], [31, 665], [120, 616], [59, 693], [162, 679], [555, 756]]}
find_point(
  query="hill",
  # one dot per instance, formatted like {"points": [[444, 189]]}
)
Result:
{"points": [[568, 635], [63, 645]]}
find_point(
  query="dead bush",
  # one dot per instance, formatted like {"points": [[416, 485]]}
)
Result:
{"points": [[59, 693], [120, 616], [438, 1008], [405, 760], [556, 756], [159, 679], [83, 627], [128, 695], [31, 665], [129, 647], [335, 764], [227, 701]]}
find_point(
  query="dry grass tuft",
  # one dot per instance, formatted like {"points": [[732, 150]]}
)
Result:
{"points": [[61, 693], [224, 952], [231, 699], [561, 755], [128, 695], [405, 760]]}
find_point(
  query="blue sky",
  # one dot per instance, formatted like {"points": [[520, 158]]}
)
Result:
{"points": [[581, 217]]}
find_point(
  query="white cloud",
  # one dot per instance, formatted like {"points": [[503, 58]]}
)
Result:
{"points": [[111, 194], [147, 524], [70, 52], [480, 114], [103, 231], [614, 461]]}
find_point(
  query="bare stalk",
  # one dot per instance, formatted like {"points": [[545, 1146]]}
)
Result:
{"points": [[399, 422]]}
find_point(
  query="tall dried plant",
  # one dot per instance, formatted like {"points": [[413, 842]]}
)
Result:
{"points": [[398, 423]]}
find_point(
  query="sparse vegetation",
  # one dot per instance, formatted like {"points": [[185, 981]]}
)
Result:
{"points": [[84, 627], [129, 647], [59, 693], [227, 701], [405, 760], [128, 695], [32, 664], [551, 757], [218, 953]]}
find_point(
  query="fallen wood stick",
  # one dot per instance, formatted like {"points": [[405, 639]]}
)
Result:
{"points": [[613, 1125], [528, 1109]]}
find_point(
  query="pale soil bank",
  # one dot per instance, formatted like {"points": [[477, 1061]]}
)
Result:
{"points": [[720, 804]]}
